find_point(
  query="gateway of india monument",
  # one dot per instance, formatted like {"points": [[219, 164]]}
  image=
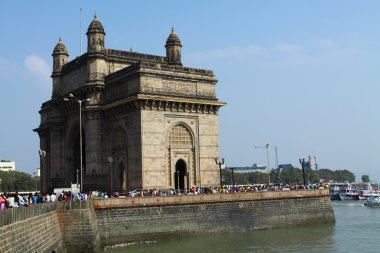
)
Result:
{"points": [[132, 120]]}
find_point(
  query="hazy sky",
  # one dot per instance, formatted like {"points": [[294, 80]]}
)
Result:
{"points": [[300, 75]]}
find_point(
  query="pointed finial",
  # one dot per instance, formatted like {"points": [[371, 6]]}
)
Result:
{"points": [[60, 39], [95, 17], [172, 29]]}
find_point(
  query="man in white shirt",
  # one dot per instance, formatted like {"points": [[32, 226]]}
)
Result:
{"points": [[53, 197]]}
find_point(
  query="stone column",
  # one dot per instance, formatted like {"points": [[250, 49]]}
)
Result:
{"points": [[93, 145], [56, 155]]}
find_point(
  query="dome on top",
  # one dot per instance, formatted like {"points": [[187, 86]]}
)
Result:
{"points": [[60, 48], [95, 26], [173, 39]]}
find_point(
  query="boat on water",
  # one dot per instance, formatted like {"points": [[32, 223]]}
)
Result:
{"points": [[373, 201], [349, 193], [367, 193], [334, 192], [345, 191]]}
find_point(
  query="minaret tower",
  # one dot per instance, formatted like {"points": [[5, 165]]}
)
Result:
{"points": [[173, 49], [95, 36], [95, 52], [60, 56]]}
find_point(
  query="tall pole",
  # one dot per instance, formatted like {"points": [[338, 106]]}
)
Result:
{"points": [[220, 162], [302, 162], [177, 181], [80, 30], [233, 179], [71, 96], [35, 179], [80, 146], [42, 154], [77, 179], [275, 149], [267, 147], [111, 174]]}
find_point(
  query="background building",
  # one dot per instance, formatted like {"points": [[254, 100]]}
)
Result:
{"points": [[149, 122], [7, 165], [246, 169]]}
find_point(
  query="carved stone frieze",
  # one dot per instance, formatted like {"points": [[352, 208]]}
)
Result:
{"points": [[179, 87]]}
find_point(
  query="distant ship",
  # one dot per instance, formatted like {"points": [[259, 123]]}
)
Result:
{"points": [[344, 191]]}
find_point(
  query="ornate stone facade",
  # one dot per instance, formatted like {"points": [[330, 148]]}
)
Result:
{"points": [[149, 122]]}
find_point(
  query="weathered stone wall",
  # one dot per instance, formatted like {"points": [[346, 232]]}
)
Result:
{"points": [[31, 229], [84, 226], [79, 228], [123, 220]]}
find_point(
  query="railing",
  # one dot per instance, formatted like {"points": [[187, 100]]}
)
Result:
{"points": [[13, 215]]}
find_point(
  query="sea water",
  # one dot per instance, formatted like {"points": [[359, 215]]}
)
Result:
{"points": [[357, 229]]}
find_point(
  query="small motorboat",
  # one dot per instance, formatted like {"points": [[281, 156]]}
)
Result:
{"points": [[373, 201]]}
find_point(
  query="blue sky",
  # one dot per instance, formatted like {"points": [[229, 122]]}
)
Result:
{"points": [[299, 75]]}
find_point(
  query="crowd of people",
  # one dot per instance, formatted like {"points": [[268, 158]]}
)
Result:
{"points": [[220, 190], [15, 200]]}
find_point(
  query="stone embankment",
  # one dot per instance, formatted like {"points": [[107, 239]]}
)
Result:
{"points": [[87, 226]]}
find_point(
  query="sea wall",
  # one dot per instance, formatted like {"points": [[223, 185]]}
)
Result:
{"points": [[79, 228], [131, 219], [86, 226], [30, 229]]}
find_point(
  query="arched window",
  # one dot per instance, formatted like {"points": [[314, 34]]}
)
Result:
{"points": [[180, 136], [119, 140]]}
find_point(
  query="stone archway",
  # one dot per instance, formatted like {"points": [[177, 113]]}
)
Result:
{"points": [[73, 168], [180, 174], [181, 157], [118, 178]]}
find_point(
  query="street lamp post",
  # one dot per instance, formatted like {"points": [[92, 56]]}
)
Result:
{"points": [[302, 162], [35, 179], [110, 161], [72, 97], [220, 162], [77, 179], [177, 181], [42, 154], [233, 179], [267, 147]]}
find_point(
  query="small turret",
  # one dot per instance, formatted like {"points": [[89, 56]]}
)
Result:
{"points": [[173, 49], [95, 36], [60, 56]]}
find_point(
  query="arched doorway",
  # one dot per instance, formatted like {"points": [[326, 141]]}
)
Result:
{"points": [[181, 156], [179, 174], [73, 167], [119, 178]]}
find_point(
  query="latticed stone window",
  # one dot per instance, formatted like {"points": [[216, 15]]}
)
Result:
{"points": [[180, 135], [119, 140]]}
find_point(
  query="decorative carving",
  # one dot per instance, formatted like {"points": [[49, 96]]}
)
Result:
{"points": [[153, 104], [179, 87]]}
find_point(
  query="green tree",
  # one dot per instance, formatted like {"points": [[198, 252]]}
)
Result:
{"points": [[17, 181], [326, 174], [343, 176], [365, 179]]}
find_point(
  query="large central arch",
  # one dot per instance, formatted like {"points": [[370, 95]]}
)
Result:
{"points": [[73, 167], [181, 157], [118, 176]]}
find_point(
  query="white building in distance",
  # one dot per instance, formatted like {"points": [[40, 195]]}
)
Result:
{"points": [[7, 165]]}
